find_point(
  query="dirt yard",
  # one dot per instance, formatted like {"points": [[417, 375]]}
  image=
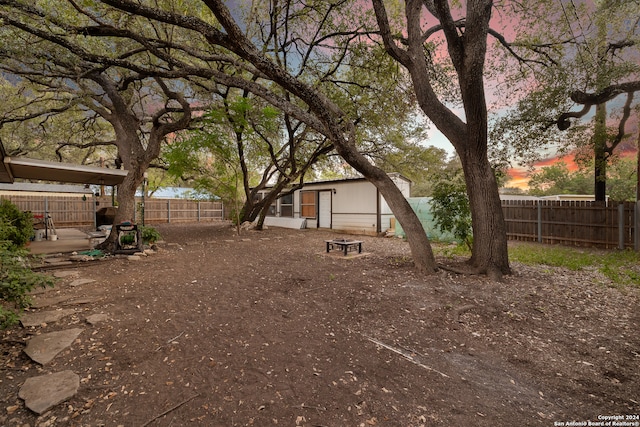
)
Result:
{"points": [[266, 329]]}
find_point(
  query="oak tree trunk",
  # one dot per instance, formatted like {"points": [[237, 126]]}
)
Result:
{"points": [[490, 252], [467, 51], [419, 243], [600, 153], [126, 207]]}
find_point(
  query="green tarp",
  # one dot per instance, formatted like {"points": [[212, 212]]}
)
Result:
{"points": [[422, 208]]}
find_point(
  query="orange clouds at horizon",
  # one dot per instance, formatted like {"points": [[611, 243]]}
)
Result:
{"points": [[519, 176]]}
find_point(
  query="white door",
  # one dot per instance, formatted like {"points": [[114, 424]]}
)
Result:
{"points": [[324, 209]]}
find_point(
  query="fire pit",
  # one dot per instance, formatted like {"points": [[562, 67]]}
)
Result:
{"points": [[344, 245]]}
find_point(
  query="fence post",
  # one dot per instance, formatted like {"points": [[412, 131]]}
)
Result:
{"points": [[198, 210], [621, 226], [539, 221], [169, 211], [95, 211], [44, 217]]}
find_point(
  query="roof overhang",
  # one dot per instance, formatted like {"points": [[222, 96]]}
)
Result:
{"points": [[12, 168], [30, 187]]}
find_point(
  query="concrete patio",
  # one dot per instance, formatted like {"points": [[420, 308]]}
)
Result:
{"points": [[69, 240]]}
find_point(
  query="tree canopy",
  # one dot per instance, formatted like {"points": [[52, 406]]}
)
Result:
{"points": [[558, 179], [589, 59], [201, 44]]}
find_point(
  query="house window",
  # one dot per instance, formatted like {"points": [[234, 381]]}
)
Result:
{"points": [[308, 204], [286, 205], [271, 210]]}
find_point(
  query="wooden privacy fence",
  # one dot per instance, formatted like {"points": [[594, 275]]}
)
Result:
{"points": [[74, 211], [66, 211], [179, 210], [576, 223]]}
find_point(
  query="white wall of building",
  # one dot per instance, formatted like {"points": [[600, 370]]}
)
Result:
{"points": [[356, 206]]}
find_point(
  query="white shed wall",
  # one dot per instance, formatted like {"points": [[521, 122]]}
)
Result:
{"points": [[358, 197], [354, 205], [385, 210], [402, 184]]}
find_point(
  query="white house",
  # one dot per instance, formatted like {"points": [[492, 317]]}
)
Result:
{"points": [[348, 205]]}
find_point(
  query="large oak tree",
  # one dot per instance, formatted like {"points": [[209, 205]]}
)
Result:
{"points": [[191, 41], [63, 75], [298, 97], [466, 45], [566, 59]]}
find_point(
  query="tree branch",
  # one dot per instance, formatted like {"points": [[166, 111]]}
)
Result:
{"points": [[382, 18], [587, 100]]}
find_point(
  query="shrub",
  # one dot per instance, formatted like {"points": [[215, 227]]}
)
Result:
{"points": [[149, 235], [16, 281], [17, 226], [451, 210], [16, 278]]}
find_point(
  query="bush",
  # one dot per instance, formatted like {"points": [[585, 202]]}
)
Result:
{"points": [[17, 226], [149, 235], [451, 210], [16, 278], [16, 281]]}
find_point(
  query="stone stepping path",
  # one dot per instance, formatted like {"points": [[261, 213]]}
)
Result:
{"points": [[43, 392]]}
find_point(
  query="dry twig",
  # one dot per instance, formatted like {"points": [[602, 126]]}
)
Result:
{"points": [[173, 408], [406, 356]]}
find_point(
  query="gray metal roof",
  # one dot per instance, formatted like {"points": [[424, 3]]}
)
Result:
{"points": [[12, 168], [47, 188]]}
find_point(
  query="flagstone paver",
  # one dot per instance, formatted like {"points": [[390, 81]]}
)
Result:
{"points": [[81, 301], [44, 348], [43, 392], [94, 319], [66, 273], [38, 318], [47, 302], [79, 282]]}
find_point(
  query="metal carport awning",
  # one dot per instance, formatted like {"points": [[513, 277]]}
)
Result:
{"points": [[25, 168]]}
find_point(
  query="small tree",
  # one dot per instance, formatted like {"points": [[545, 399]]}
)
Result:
{"points": [[451, 210], [213, 160], [17, 226], [558, 179], [16, 278]]}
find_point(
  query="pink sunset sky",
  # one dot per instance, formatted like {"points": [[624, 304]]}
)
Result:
{"points": [[501, 23], [519, 176]]}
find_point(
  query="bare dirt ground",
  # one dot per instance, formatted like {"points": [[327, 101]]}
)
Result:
{"points": [[266, 329]]}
